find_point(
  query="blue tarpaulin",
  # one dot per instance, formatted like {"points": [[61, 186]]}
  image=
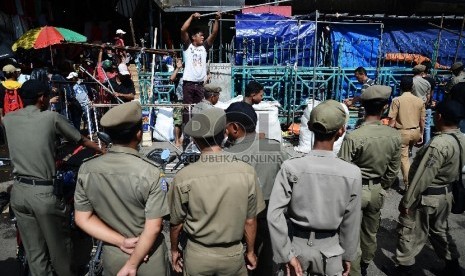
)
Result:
{"points": [[355, 45], [268, 39], [272, 39]]}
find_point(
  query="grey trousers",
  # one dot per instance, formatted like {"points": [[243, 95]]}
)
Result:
{"points": [[44, 226]]}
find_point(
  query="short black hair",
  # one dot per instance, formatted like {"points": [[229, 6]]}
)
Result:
{"points": [[211, 141], [406, 83], [374, 107], [452, 112], [253, 87], [324, 136], [360, 70], [31, 91], [428, 66], [457, 70], [124, 134], [194, 31]]}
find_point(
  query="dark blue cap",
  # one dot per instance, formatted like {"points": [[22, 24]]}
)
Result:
{"points": [[33, 89], [242, 113], [451, 111]]}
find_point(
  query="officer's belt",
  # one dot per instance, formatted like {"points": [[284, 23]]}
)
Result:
{"points": [[224, 245], [34, 181], [193, 82], [299, 231], [408, 128], [437, 190], [372, 181]]}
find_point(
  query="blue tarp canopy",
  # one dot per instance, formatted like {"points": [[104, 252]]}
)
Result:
{"points": [[276, 40]]}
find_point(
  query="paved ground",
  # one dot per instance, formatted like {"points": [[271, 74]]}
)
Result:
{"points": [[427, 262]]}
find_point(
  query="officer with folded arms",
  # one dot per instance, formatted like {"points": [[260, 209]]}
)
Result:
{"points": [[42, 215]]}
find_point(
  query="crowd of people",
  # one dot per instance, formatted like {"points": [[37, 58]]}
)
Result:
{"points": [[247, 208]]}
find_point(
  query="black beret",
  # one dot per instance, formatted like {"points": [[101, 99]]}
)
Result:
{"points": [[451, 110], [242, 113], [32, 89]]}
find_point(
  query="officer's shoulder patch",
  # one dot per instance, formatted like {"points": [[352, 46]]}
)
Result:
{"points": [[431, 161]]}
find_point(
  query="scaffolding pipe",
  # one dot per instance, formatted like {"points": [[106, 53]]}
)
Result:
{"points": [[458, 41], [380, 52], [314, 63], [436, 51], [253, 6]]}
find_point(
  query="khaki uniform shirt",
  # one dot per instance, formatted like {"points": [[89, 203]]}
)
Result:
{"points": [[407, 110], [31, 136], [123, 189], [213, 197], [203, 105], [435, 165], [421, 88], [318, 192], [375, 149], [265, 155]]}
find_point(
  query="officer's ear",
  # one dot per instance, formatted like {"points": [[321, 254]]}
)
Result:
{"points": [[340, 132], [139, 135]]}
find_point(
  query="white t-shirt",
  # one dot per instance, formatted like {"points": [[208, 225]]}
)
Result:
{"points": [[195, 58]]}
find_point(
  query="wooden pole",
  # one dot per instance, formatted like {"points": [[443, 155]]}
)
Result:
{"points": [[127, 48], [132, 32]]}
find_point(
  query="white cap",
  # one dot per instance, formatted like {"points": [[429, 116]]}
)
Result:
{"points": [[72, 75], [123, 69], [119, 31]]}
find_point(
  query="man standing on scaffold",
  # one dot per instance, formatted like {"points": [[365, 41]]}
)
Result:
{"points": [[195, 57]]}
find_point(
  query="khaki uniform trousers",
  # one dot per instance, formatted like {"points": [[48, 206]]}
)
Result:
{"points": [[44, 226], [114, 259], [409, 138], [373, 196], [318, 256], [429, 219], [218, 261]]}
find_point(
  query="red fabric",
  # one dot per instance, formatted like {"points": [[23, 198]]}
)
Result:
{"points": [[12, 101], [48, 36]]}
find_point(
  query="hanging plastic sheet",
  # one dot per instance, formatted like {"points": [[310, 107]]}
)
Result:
{"points": [[422, 40], [355, 45], [269, 39]]}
